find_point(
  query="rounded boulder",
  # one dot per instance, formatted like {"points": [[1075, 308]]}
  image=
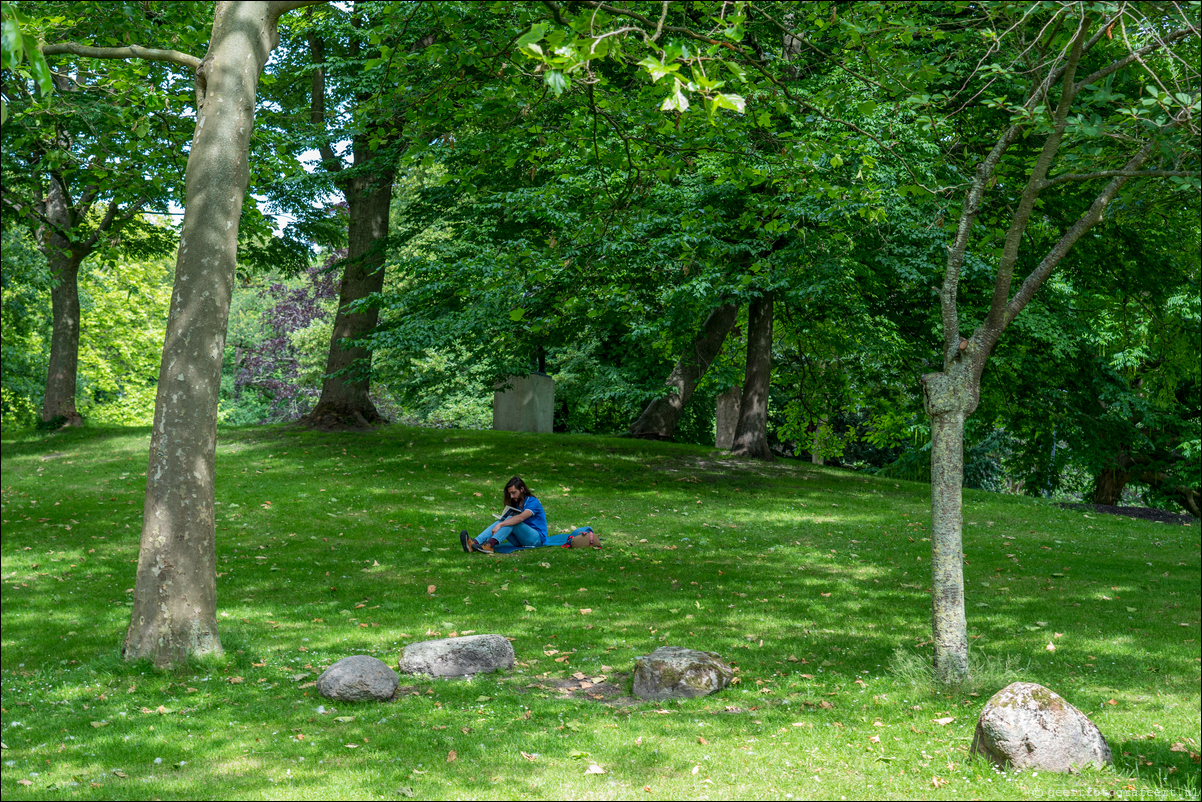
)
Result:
{"points": [[1028, 726], [358, 678], [458, 657], [672, 672]]}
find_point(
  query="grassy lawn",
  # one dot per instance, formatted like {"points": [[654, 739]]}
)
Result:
{"points": [[812, 580]]}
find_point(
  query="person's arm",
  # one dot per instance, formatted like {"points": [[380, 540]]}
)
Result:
{"points": [[513, 521]]}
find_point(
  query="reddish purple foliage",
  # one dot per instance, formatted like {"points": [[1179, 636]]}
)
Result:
{"points": [[273, 366]]}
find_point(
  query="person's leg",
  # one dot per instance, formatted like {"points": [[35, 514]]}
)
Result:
{"points": [[483, 537], [522, 535]]}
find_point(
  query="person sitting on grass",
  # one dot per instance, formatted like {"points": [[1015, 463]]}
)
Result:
{"points": [[525, 527]]}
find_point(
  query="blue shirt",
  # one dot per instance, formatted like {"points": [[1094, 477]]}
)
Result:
{"points": [[537, 521]]}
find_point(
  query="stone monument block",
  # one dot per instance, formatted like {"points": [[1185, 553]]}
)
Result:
{"points": [[528, 406], [728, 417]]}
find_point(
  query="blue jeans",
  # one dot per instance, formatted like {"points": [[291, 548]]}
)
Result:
{"points": [[521, 535]]}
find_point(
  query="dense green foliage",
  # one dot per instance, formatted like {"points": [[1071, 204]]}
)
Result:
{"points": [[123, 308], [577, 186]]}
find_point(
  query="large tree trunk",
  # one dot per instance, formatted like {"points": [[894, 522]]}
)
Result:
{"points": [[1108, 486], [344, 400], [949, 399], [344, 397], [64, 261], [751, 434], [175, 596], [659, 419]]}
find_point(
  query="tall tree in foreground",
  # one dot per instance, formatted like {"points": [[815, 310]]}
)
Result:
{"points": [[1108, 95], [175, 596]]}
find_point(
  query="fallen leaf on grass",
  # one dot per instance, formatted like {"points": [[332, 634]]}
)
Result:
{"points": [[352, 746], [943, 722], [119, 774], [451, 756], [430, 589], [406, 791], [99, 724], [876, 739], [529, 756], [25, 782], [702, 741], [236, 680], [594, 769], [586, 610], [1051, 647], [483, 698], [345, 719]]}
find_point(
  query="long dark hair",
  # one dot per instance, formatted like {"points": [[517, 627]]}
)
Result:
{"points": [[520, 485]]}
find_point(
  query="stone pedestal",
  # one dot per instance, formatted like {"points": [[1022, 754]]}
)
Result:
{"points": [[528, 406], [728, 417]]}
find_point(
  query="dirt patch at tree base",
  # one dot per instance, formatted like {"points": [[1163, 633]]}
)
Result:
{"points": [[1139, 513]]}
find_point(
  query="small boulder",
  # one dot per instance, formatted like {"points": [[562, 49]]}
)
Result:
{"points": [[457, 657], [1028, 726], [358, 678], [671, 672]]}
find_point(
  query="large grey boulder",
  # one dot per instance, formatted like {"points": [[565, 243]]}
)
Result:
{"points": [[1028, 726], [358, 678], [672, 672], [457, 657]]}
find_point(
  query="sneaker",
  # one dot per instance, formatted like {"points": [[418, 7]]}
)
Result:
{"points": [[485, 547], [463, 541]]}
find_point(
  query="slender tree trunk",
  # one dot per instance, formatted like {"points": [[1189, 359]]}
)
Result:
{"points": [[175, 598], [344, 397], [59, 400], [659, 419], [751, 434], [949, 398]]}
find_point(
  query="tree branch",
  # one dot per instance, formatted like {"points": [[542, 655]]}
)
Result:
{"points": [[1060, 179], [1087, 220], [1135, 55], [132, 51], [991, 329], [31, 212], [317, 103]]}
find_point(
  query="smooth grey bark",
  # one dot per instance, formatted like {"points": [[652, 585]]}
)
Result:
{"points": [[751, 433], [659, 419], [175, 598]]}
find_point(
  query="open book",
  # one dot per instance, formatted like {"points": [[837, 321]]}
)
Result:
{"points": [[506, 513]]}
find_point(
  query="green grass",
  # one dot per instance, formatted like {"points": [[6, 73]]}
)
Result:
{"points": [[812, 580]]}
